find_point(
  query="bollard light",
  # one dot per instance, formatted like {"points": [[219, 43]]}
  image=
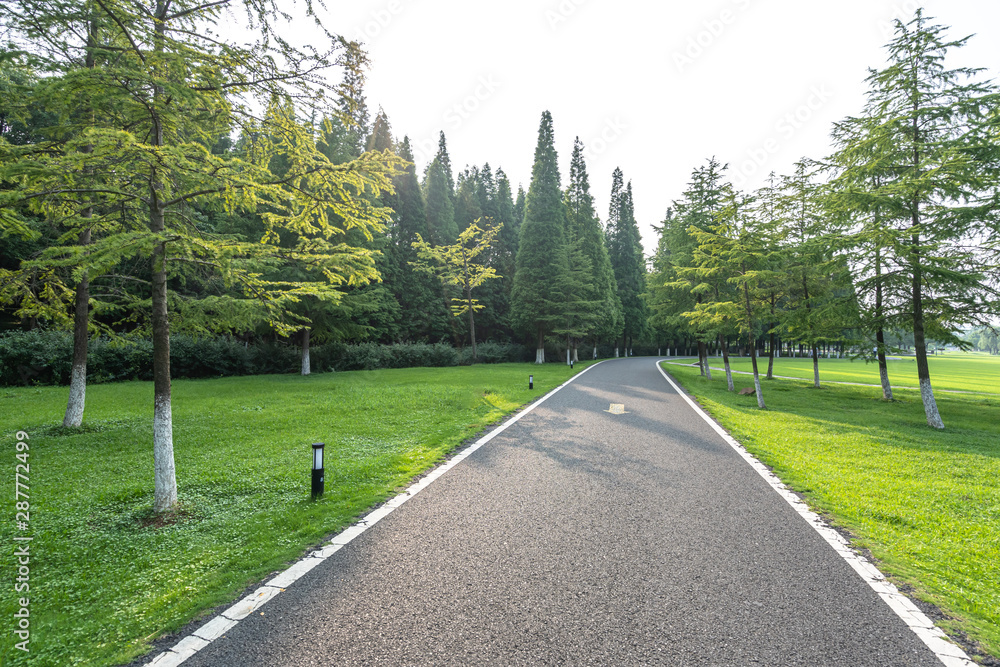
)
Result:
{"points": [[531, 382], [317, 470], [571, 364]]}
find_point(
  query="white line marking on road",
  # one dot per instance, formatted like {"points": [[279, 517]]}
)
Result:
{"points": [[947, 652], [193, 643]]}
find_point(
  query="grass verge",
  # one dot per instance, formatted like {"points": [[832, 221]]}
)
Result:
{"points": [[107, 577], [926, 503], [976, 372]]}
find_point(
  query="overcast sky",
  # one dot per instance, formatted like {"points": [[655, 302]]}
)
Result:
{"points": [[653, 88]]}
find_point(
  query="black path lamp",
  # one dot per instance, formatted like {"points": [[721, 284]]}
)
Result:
{"points": [[531, 382], [317, 470]]}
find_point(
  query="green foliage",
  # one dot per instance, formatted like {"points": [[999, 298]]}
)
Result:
{"points": [[542, 260], [625, 252], [599, 306]]}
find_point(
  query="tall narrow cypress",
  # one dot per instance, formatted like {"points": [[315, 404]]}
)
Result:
{"points": [[541, 258]]}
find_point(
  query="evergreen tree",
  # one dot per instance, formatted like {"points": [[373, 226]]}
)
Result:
{"points": [[422, 310], [166, 86], [625, 251], [440, 210], [928, 142], [585, 235], [542, 260], [468, 207]]}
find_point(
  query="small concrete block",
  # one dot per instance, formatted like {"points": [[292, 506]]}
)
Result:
{"points": [[215, 628], [292, 574], [348, 535], [250, 603]]}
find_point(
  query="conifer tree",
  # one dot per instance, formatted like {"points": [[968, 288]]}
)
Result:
{"points": [[422, 310], [925, 156], [625, 251], [169, 84], [585, 235], [440, 210], [542, 261]]}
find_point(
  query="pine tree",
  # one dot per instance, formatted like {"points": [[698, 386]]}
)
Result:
{"points": [[927, 142], [542, 260], [440, 209], [584, 233], [422, 309], [625, 251], [167, 84]]}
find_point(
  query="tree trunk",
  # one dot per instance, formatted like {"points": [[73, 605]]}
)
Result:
{"points": [[472, 319], [920, 345], [770, 352], [701, 358], [616, 352], [306, 369], [595, 350], [883, 367], [724, 344], [164, 478], [756, 376], [815, 351], [576, 352], [540, 350], [164, 475], [81, 337]]}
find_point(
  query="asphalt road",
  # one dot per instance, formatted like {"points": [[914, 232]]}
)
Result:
{"points": [[582, 537]]}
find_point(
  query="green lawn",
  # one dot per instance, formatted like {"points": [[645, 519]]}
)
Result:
{"points": [[105, 581], [926, 503], [953, 371]]}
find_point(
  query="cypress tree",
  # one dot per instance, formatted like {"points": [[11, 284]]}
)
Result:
{"points": [[420, 296], [625, 251], [440, 210], [583, 230], [541, 259]]}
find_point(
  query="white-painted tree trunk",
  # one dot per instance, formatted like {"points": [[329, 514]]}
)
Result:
{"points": [[306, 367], [595, 352], [930, 405], [883, 374], [760, 396], [616, 353], [165, 480], [569, 358], [77, 396], [540, 355], [708, 368], [729, 377]]}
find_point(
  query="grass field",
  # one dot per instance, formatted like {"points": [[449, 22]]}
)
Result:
{"points": [[105, 579], [926, 503], [954, 372]]}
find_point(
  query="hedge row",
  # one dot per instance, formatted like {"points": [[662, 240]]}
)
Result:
{"points": [[45, 357]]}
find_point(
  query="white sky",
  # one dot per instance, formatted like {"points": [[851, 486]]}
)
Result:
{"points": [[654, 88]]}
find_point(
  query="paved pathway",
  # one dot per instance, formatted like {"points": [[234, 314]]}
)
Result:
{"points": [[582, 537]]}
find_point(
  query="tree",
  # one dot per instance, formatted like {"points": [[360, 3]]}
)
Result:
{"points": [[456, 265], [585, 236], [816, 277], [625, 251], [542, 260], [168, 86], [735, 247], [423, 312], [928, 142], [440, 209]]}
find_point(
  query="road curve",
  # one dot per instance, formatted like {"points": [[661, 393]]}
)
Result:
{"points": [[583, 537]]}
